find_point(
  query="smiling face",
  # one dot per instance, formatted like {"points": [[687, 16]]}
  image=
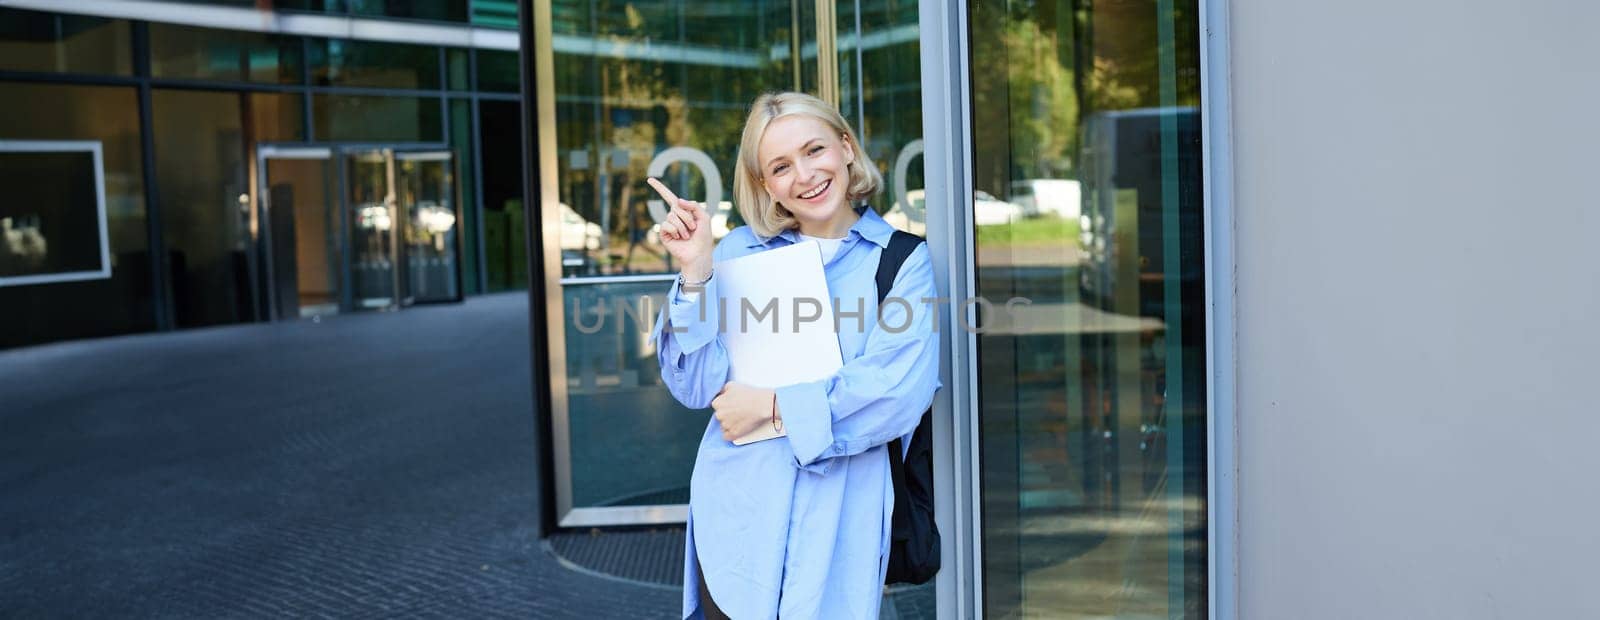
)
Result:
{"points": [[805, 168]]}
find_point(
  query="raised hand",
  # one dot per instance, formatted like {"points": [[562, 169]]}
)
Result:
{"points": [[686, 233]]}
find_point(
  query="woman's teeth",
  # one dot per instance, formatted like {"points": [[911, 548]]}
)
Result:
{"points": [[816, 192]]}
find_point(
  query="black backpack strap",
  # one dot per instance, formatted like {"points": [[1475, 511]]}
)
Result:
{"points": [[901, 245]]}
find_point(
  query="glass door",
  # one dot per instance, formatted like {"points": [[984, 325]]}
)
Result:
{"points": [[374, 234], [668, 100], [300, 209], [1092, 409], [426, 195]]}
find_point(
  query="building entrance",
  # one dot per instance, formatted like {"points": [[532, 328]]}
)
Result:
{"points": [[356, 227]]}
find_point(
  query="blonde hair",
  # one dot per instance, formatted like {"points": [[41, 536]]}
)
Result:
{"points": [[764, 215]]}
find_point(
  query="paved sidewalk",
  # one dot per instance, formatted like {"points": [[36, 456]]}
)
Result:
{"points": [[373, 465]]}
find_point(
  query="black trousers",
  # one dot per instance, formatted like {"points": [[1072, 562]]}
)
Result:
{"points": [[709, 607]]}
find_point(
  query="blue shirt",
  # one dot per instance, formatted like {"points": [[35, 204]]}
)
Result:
{"points": [[799, 526]]}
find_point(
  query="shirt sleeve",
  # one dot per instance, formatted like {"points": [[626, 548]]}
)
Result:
{"points": [[880, 395], [694, 365]]}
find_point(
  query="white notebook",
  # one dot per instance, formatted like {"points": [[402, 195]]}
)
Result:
{"points": [[799, 351]]}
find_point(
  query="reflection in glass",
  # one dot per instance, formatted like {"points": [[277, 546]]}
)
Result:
{"points": [[426, 193], [305, 231], [504, 222], [230, 55], [372, 64], [204, 140], [373, 276], [1092, 415], [123, 303], [433, 10], [499, 71], [362, 118], [632, 443], [49, 42], [461, 132]]}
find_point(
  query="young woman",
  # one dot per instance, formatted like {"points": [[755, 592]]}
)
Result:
{"points": [[797, 526]]}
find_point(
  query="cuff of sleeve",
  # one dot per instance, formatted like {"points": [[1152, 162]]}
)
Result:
{"points": [[809, 424], [693, 319]]}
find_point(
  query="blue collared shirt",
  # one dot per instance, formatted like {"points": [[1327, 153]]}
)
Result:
{"points": [[799, 526]]}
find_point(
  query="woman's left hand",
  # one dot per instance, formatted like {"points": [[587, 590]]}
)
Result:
{"points": [[741, 408]]}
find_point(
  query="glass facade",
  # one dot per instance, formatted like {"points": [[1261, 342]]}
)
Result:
{"points": [[218, 102], [47, 42], [109, 116], [1091, 393]]}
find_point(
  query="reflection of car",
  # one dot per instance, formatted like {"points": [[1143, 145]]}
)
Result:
{"points": [[986, 210], [578, 237], [578, 233], [1058, 197]]}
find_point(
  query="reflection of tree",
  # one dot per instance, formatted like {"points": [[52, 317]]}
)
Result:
{"points": [[1043, 111], [1039, 68]]}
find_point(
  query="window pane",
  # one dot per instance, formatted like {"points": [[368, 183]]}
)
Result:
{"points": [[34, 41], [1092, 394], [434, 10], [499, 71], [203, 144], [207, 54], [499, 137], [461, 132], [654, 81], [121, 304], [360, 118], [337, 62], [457, 68]]}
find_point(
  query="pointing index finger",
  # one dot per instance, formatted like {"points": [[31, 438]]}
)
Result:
{"points": [[666, 194]]}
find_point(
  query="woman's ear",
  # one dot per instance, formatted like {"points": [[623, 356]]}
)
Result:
{"points": [[849, 149]]}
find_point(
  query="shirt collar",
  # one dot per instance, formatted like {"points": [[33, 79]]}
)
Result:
{"points": [[870, 227]]}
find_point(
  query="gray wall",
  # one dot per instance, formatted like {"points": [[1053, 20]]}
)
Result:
{"points": [[1418, 246]]}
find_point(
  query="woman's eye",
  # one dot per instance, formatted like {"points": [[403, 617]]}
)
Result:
{"points": [[779, 170], [814, 150]]}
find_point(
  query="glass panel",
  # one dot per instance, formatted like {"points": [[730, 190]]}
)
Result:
{"points": [[426, 186], [672, 73], [306, 260], [504, 236], [461, 132], [337, 62], [233, 55], [458, 69], [499, 71], [362, 118], [204, 141], [35, 41], [372, 234], [614, 386], [881, 93], [434, 10], [123, 303], [1092, 414]]}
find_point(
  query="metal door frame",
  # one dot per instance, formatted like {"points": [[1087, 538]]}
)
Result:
{"points": [[336, 154]]}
